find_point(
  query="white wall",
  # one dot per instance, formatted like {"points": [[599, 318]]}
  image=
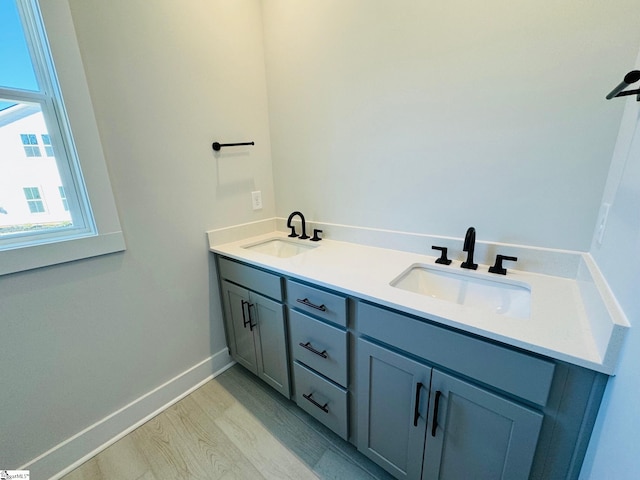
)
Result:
{"points": [[432, 116], [614, 451], [81, 340]]}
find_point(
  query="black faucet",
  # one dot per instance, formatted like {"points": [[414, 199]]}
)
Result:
{"points": [[469, 247], [293, 233]]}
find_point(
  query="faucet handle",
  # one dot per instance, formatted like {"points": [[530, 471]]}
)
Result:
{"points": [[443, 255], [498, 268], [316, 236], [293, 233]]}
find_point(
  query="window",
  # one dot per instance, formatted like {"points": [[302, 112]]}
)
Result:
{"points": [[30, 142], [63, 197], [34, 121], [34, 200], [46, 141], [32, 100]]}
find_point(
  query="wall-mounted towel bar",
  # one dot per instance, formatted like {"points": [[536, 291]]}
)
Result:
{"points": [[217, 146], [631, 77]]}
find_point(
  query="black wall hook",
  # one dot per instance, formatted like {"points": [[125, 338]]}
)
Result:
{"points": [[631, 77], [217, 146]]}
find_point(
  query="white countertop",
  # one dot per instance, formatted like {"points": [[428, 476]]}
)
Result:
{"points": [[562, 325]]}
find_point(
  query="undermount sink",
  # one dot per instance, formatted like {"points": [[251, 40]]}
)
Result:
{"points": [[497, 296], [279, 247]]}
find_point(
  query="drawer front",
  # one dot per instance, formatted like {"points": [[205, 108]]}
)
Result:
{"points": [[321, 399], [525, 376], [319, 346], [325, 305], [267, 284]]}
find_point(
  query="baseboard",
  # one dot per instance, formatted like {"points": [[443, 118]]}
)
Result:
{"points": [[69, 454]]}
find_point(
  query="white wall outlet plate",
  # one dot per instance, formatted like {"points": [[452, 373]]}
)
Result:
{"points": [[256, 200]]}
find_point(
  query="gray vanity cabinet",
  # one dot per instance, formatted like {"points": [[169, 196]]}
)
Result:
{"points": [[255, 324], [242, 344], [474, 433], [317, 322], [422, 400], [409, 409], [393, 395]]}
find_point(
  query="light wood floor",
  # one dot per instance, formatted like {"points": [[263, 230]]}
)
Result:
{"points": [[233, 427]]}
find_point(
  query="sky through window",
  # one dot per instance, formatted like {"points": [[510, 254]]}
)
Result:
{"points": [[17, 69]]}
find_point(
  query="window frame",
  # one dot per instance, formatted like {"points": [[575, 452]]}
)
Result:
{"points": [[107, 236]]}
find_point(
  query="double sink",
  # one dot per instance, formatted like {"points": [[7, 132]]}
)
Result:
{"points": [[470, 289]]}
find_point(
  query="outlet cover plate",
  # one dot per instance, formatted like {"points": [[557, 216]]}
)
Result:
{"points": [[256, 200]]}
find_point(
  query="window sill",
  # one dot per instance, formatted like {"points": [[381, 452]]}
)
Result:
{"points": [[37, 256]]}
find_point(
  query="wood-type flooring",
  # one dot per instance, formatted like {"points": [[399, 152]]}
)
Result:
{"points": [[233, 427]]}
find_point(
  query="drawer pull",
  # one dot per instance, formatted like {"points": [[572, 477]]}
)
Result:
{"points": [[321, 407], [305, 301], [308, 346]]}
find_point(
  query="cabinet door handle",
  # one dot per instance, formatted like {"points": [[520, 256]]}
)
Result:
{"points": [[436, 406], [308, 346], [416, 409], [244, 315], [251, 325], [246, 322], [305, 301], [321, 407]]}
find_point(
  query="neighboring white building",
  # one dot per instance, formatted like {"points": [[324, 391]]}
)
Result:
{"points": [[31, 192]]}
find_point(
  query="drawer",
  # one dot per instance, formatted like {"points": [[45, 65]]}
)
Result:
{"points": [[320, 346], [321, 399], [322, 304], [254, 279]]}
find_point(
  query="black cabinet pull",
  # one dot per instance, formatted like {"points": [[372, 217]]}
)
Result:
{"points": [[416, 409], [321, 407], [308, 346], [305, 301], [436, 406], [244, 315], [248, 314], [251, 325]]}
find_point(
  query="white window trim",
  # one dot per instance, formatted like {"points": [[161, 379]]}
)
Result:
{"points": [[75, 92]]}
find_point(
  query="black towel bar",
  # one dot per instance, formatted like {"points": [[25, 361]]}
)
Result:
{"points": [[217, 146], [631, 77]]}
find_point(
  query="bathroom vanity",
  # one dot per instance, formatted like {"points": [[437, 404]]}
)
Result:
{"points": [[428, 388]]}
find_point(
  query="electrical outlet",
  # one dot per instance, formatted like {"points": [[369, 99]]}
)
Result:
{"points": [[602, 222], [256, 200]]}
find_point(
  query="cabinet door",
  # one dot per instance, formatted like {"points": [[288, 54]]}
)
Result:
{"points": [[270, 341], [477, 434], [242, 345], [393, 398]]}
